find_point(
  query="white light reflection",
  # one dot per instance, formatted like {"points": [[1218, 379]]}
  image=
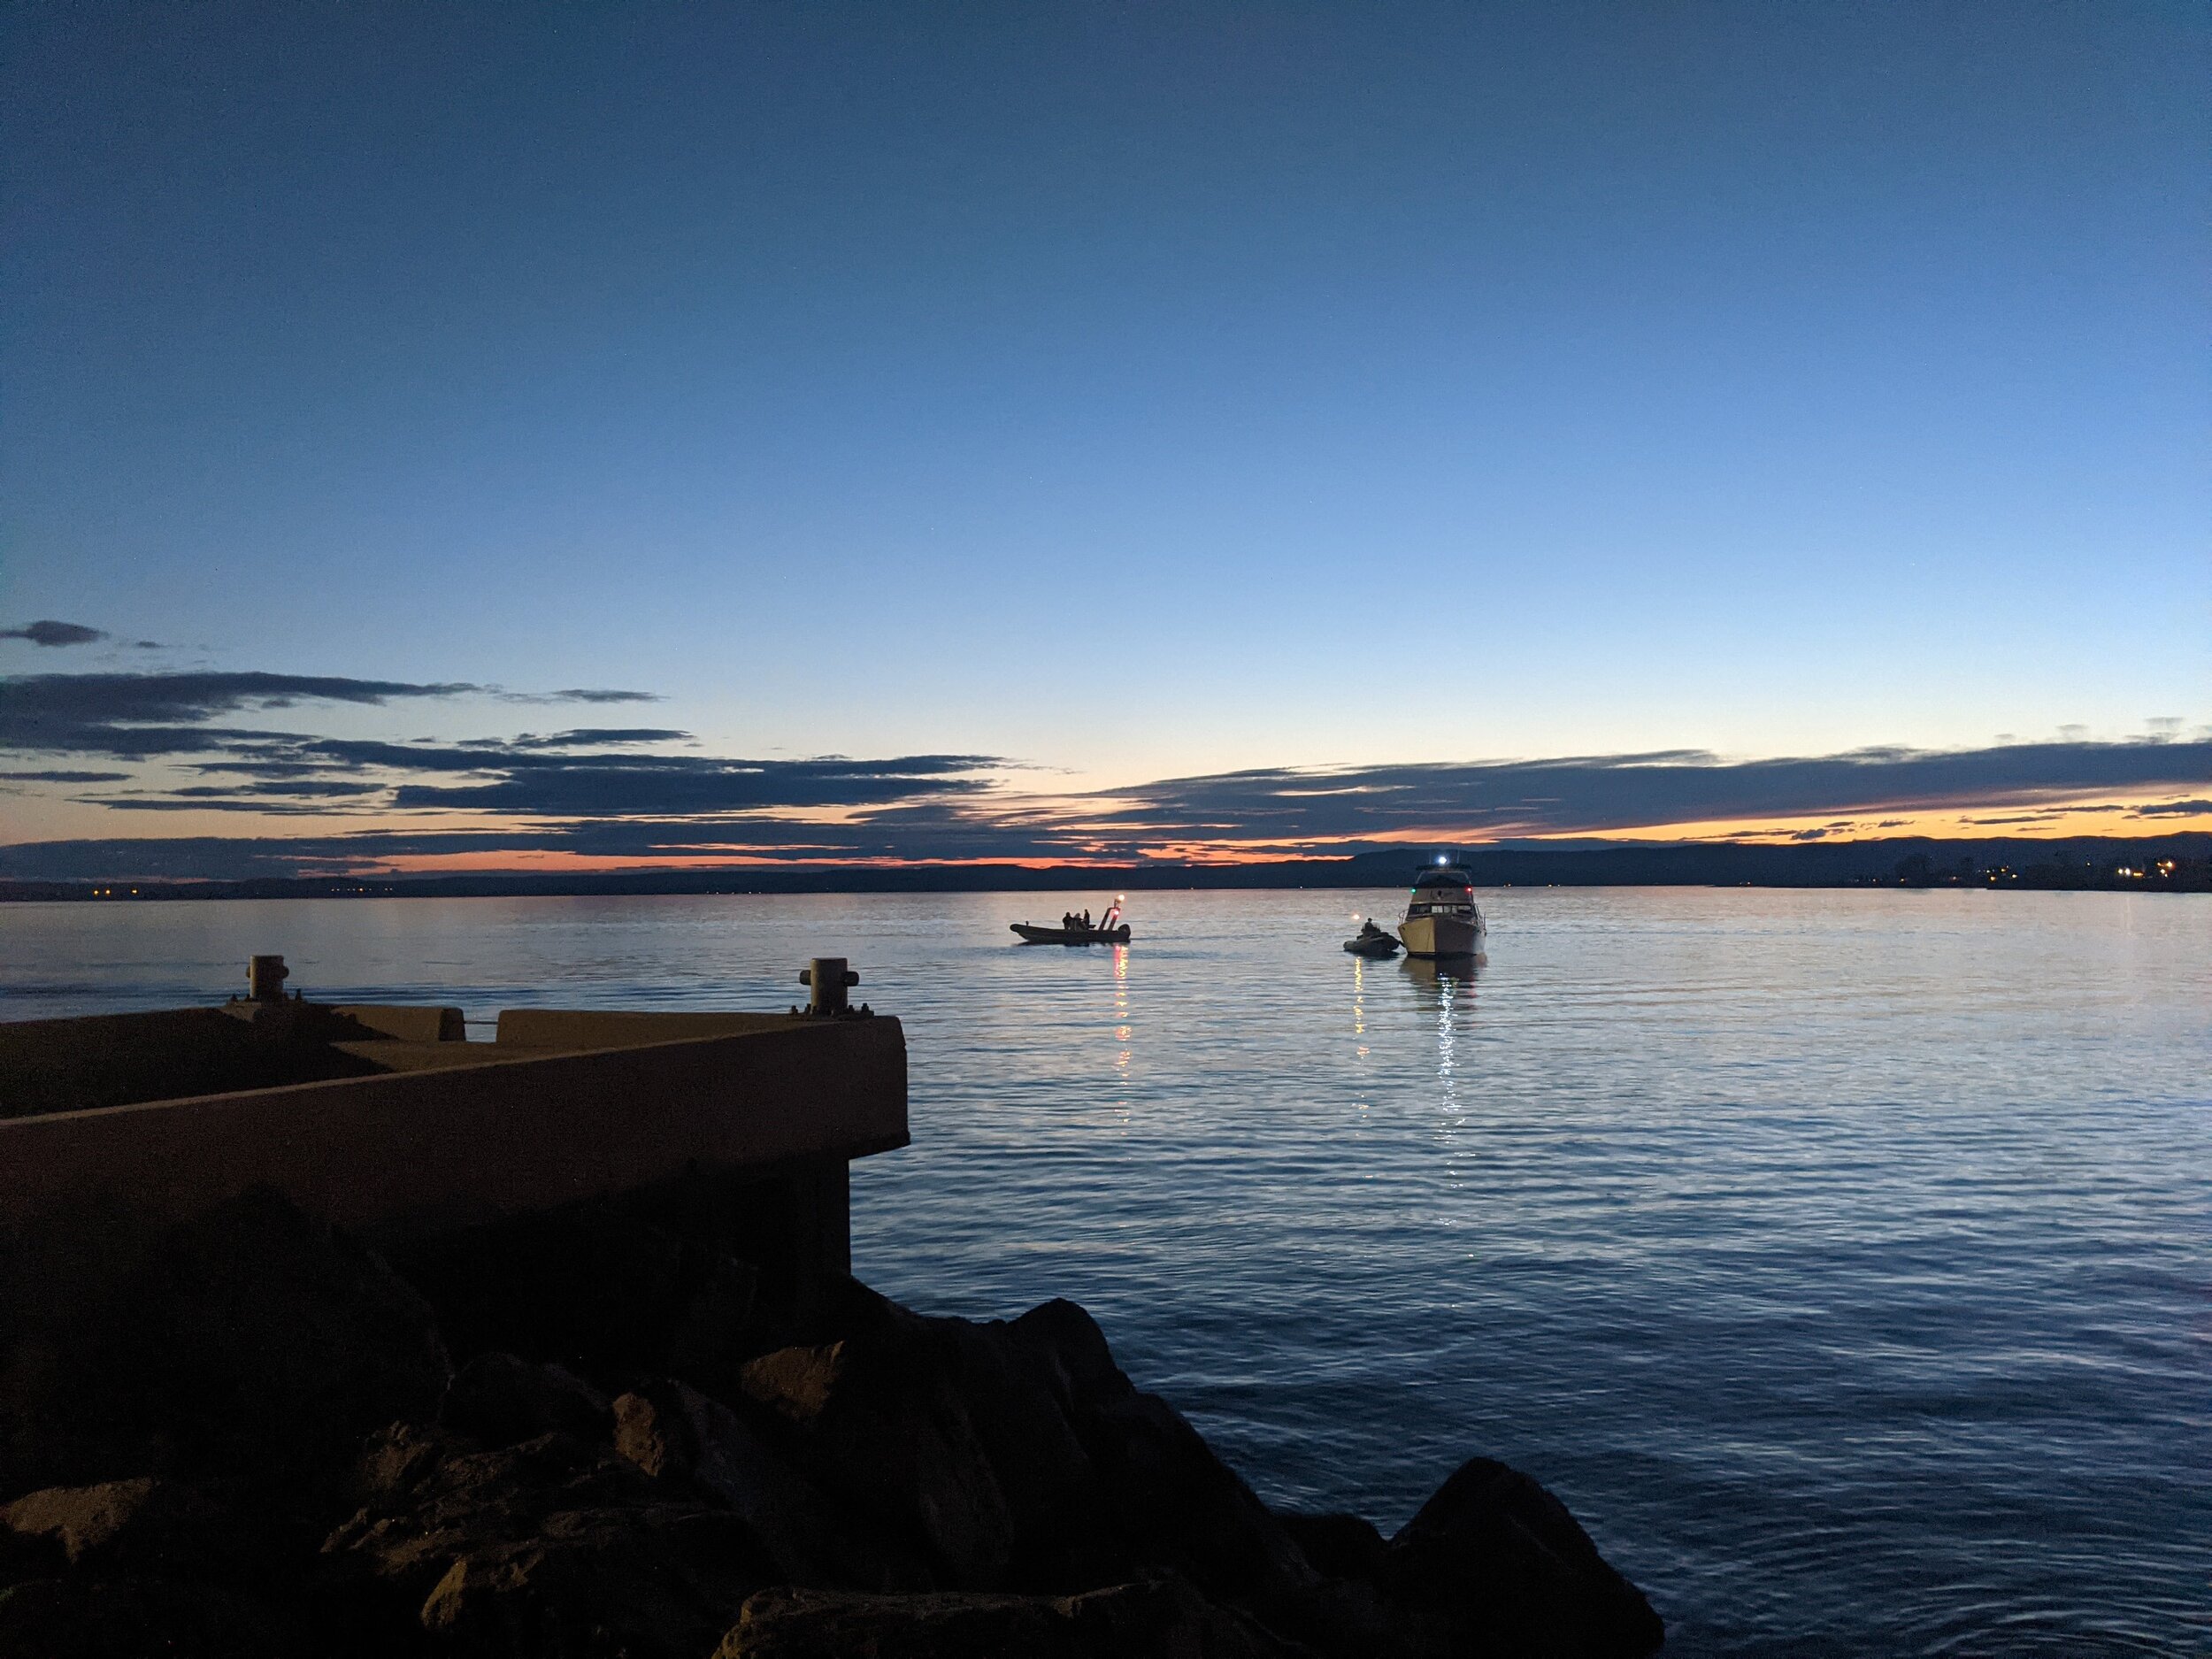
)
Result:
{"points": [[1452, 987], [1122, 1027]]}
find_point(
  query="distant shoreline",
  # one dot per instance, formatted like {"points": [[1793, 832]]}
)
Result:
{"points": [[2172, 863]]}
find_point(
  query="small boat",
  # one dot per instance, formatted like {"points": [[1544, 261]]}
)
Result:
{"points": [[1371, 940], [1032, 935], [1105, 933], [1440, 918]]}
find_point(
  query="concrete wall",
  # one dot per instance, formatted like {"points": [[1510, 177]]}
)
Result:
{"points": [[404, 1153]]}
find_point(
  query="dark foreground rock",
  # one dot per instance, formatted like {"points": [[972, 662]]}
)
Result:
{"points": [[248, 1438], [1494, 1563], [1166, 1618]]}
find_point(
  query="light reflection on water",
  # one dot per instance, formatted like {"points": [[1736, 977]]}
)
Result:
{"points": [[1841, 1258]]}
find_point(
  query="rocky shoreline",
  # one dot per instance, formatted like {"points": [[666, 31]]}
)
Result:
{"points": [[601, 1431]]}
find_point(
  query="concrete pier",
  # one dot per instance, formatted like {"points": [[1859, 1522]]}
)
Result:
{"points": [[379, 1120]]}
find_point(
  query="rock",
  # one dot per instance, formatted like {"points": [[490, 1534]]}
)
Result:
{"points": [[1080, 1356], [251, 1340], [548, 1546], [262, 1341], [1175, 1504], [59, 1278], [1022, 1458], [643, 1584], [502, 1400], [1008, 1386], [877, 1420], [1159, 1620], [430, 1497], [128, 1525], [1191, 1510], [1495, 1563], [1336, 1546], [670, 1429]]}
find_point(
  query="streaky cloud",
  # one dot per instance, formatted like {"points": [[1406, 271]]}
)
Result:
{"points": [[168, 713], [1618, 791], [142, 715], [588, 737], [603, 792]]}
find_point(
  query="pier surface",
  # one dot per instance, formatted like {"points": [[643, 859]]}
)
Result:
{"points": [[378, 1120]]}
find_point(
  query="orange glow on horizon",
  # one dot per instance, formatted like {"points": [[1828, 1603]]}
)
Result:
{"points": [[553, 861]]}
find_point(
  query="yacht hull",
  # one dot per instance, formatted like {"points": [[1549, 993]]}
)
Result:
{"points": [[1440, 935]]}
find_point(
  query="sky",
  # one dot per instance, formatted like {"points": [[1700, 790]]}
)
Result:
{"points": [[612, 435]]}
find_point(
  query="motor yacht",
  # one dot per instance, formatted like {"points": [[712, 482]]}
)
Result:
{"points": [[1440, 918]]}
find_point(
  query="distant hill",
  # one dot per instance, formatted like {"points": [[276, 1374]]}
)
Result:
{"points": [[2164, 862]]}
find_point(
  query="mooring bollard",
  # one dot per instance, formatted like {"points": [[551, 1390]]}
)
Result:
{"points": [[265, 979], [828, 977]]}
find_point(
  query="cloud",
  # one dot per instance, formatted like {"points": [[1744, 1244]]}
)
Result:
{"points": [[587, 737], [136, 716], [307, 786], [51, 633], [666, 787], [578, 694], [2176, 808], [1489, 800], [605, 792], [220, 804]]}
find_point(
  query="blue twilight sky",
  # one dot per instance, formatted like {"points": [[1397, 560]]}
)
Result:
{"points": [[1129, 391]]}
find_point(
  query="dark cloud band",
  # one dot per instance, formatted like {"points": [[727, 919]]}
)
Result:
{"points": [[136, 716], [48, 632], [1623, 792], [617, 792]]}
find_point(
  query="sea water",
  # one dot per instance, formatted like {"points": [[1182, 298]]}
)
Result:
{"points": [[1843, 1259]]}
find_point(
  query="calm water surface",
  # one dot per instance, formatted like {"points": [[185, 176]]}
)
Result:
{"points": [[1841, 1258]]}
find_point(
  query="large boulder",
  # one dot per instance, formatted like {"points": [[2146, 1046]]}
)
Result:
{"points": [[58, 1277], [549, 1547], [671, 1430], [1174, 1505], [656, 1583], [1019, 1456], [1165, 1619], [252, 1341], [145, 1524], [877, 1420], [1064, 1533], [1494, 1564], [503, 1401], [1337, 1546], [259, 1340]]}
